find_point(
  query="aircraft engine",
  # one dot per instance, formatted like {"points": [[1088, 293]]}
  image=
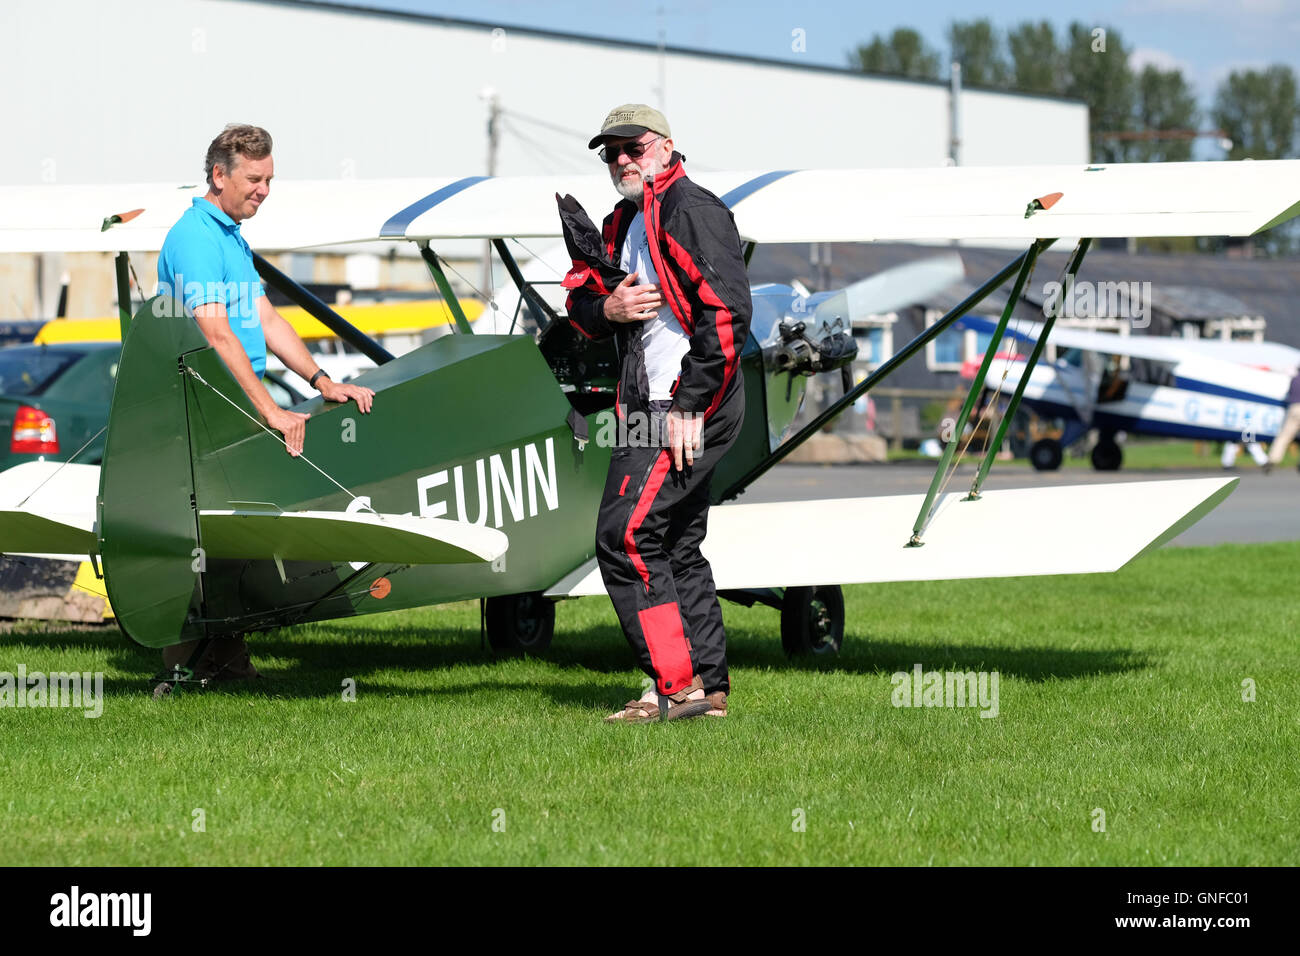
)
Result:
{"points": [[797, 352]]}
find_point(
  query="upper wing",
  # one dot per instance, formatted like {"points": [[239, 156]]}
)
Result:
{"points": [[860, 205], [1027, 531], [299, 215], [811, 205], [1268, 356]]}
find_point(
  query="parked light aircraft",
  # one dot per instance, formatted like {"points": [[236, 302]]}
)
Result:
{"points": [[1185, 388]]}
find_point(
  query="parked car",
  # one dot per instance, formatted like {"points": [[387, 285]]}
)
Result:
{"points": [[54, 399]]}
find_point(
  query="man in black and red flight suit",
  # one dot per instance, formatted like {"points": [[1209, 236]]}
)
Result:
{"points": [[666, 277]]}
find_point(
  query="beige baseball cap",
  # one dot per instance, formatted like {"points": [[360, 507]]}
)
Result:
{"points": [[631, 119]]}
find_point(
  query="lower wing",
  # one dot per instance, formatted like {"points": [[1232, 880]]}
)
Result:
{"points": [[1070, 530]]}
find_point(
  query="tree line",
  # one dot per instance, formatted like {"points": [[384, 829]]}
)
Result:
{"points": [[1134, 116]]}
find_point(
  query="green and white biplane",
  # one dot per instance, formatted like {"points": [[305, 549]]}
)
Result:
{"points": [[477, 475]]}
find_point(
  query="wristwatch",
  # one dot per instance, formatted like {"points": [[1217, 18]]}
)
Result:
{"points": [[319, 373]]}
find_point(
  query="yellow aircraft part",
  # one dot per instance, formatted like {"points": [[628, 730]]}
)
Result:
{"points": [[386, 318], [87, 582], [50, 589]]}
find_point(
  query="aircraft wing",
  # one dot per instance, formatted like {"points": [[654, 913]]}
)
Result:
{"points": [[353, 536], [47, 510], [1267, 356], [863, 205], [1028, 531], [1201, 365], [298, 215], [780, 205]]}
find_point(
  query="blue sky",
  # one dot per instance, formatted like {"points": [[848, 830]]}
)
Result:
{"points": [[1206, 38]]}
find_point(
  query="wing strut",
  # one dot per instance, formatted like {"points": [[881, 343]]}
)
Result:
{"points": [[941, 474], [1066, 282], [888, 367], [444, 286], [321, 312]]}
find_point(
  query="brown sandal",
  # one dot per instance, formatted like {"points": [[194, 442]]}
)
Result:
{"points": [[673, 707]]}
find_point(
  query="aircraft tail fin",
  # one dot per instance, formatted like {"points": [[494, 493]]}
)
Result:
{"points": [[148, 531]]}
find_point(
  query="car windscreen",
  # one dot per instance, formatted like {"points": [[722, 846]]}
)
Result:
{"points": [[29, 371]]}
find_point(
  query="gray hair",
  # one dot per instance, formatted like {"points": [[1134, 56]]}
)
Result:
{"points": [[237, 139]]}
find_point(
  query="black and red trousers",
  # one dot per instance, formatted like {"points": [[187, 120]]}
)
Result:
{"points": [[652, 521]]}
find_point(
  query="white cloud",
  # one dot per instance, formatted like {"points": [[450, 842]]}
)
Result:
{"points": [[1220, 73], [1145, 56]]}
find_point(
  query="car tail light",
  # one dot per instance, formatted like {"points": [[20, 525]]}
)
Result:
{"points": [[34, 433]]}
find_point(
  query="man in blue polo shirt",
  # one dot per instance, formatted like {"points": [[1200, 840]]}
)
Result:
{"points": [[207, 263]]}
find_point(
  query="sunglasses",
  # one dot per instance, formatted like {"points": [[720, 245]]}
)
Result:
{"points": [[634, 150]]}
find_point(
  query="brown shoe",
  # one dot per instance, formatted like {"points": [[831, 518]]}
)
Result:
{"points": [[717, 704], [679, 705]]}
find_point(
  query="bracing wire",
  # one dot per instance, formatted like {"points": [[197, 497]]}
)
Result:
{"points": [[280, 439]]}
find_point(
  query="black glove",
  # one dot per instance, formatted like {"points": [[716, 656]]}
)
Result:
{"points": [[591, 269]]}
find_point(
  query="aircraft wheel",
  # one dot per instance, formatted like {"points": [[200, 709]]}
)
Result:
{"points": [[520, 623], [812, 620], [1045, 454], [1107, 455]]}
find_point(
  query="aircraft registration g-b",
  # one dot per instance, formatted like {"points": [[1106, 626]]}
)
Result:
{"points": [[478, 473], [1185, 388]]}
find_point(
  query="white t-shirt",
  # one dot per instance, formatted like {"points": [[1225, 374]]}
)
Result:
{"points": [[662, 337]]}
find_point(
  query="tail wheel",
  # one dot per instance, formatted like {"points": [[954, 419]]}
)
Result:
{"points": [[812, 620], [520, 623], [1045, 454], [1107, 455]]}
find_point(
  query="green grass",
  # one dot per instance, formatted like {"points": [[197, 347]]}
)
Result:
{"points": [[1120, 692], [1146, 454]]}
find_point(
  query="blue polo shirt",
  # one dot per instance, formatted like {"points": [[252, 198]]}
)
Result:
{"points": [[204, 259]]}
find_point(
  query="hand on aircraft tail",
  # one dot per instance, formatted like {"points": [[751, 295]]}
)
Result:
{"points": [[341, 392], [293, 426]]}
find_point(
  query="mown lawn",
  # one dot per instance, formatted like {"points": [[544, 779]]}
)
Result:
{"points": [[1120, 693], [1141, 454]]}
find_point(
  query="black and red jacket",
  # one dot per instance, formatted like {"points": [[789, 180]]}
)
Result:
{"points": [[697, 253]]}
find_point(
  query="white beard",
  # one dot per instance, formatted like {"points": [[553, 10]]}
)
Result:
{"points": [[635, 189]]}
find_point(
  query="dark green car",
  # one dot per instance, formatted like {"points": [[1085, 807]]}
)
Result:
{"points": [[54, 399]]}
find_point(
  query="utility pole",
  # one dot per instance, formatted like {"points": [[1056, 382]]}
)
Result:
{"points": [[493, 142], [954, 115]]}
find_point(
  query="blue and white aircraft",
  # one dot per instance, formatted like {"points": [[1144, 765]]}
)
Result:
{"points": [[1186, 388]]}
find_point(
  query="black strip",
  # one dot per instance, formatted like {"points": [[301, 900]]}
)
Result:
{"points": [[578, 425], [321, 312]]}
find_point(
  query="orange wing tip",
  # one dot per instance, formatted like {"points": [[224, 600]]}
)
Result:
{"points": [[1042, 202], [113, 220]]}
